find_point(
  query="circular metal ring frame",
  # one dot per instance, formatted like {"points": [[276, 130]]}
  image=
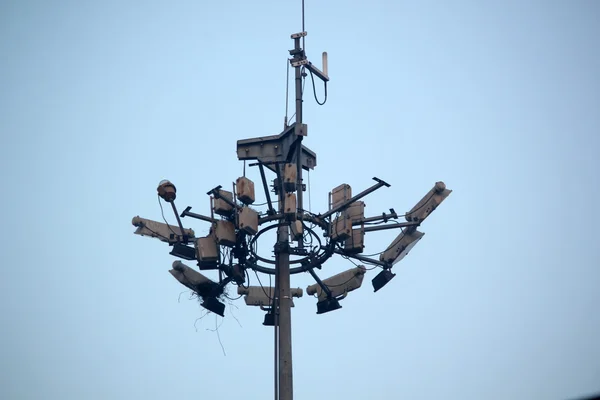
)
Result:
{"points": [[314, 259]]}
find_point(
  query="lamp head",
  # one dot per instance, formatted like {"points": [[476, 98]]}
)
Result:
{"points": [[214, 305], [167, 191], [382, 279]]}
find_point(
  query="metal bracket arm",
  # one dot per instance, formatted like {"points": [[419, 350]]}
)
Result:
{"points": [[390, 226], [362, 194], [277, 148], [187, 213], [362, 258], [320, 283], [383, 217]]}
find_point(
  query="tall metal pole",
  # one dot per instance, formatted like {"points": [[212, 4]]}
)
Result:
{"points": [[282, 258], [298, 85], [284, 319]]}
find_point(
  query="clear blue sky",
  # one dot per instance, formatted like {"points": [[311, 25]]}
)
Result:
{"points": [[501, 100]]}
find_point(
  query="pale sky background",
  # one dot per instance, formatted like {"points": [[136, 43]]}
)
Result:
{"points": [[101, 100]]}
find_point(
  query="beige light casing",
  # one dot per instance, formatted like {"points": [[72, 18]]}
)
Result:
{"points": [[401, 246], [428, 203], [339, 284], [263, 295], [159, 230], [187, 276]]}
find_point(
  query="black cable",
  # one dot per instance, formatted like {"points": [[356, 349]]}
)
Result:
{"points": [[265, 203], [312, 78], [232, 299], [262, 287], [163, 216], [156, 233], [341, 284]]}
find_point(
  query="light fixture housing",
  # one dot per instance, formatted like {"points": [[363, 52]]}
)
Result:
{"points": [[214, 305], [167, 191], [339, 284], [401, 246], [428, 203], [182, 251], [328, 305], [382, 279]]}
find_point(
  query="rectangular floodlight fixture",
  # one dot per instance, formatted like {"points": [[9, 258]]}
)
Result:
{"points": [[263, 295], [183, 251], [382, 279], [401, 246], [327, 305], [214, 305], [339, 284], [189, 277], [428, 203], [166, 233]]}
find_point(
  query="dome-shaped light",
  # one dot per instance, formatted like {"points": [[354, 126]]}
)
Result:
{"points": [[166, 190]]}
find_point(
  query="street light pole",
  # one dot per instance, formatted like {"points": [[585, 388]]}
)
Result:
{"points": [[282, 258], [236, 226]]}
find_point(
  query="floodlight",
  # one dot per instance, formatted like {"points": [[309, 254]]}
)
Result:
{"points": [[214, 305], [182, 251], [165, 233], [205, 288], [167, 191], [327, 305], [263, 295], [339, 284], [428, 203], [400, 247], [269, 319], [190, 277], [382, 279]]}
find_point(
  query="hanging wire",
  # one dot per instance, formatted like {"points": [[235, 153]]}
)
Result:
{"points": [[312, 78], [163, 216]]}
